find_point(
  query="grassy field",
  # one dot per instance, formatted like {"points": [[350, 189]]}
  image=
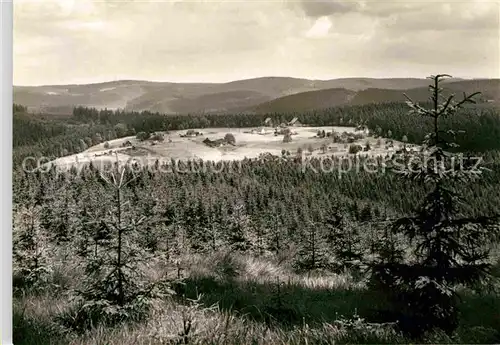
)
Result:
{"points": [[248, 145], [230, 298]]}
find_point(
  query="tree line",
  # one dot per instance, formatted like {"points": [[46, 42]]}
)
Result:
{"points": [[34, 136], [482, 125]]}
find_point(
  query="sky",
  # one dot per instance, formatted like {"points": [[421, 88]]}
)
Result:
{"points": [[84, 41]]}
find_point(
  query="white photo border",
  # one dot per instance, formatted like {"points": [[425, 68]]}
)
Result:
{"points": [[6, 29]]}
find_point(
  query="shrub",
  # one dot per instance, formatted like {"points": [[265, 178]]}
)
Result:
{"points": [[106, 145], [88, 141], [353, 149], [229, 138], [82, 144], [157, 136], [121, 130], [131, 131], [142, 136]]}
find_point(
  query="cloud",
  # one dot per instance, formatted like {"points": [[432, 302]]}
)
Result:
{"points": [[320, 28], [317, 9], [457, 16], [205, 41]]}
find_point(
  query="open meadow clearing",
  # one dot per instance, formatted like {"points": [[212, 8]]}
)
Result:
{"points": [[249, 143]]}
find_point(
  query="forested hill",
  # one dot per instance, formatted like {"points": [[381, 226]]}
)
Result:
{"points": [[490, 94], [178, 98]]}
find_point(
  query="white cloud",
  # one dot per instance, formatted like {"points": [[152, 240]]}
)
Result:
{"points": [[207, 41], [320, 28]]}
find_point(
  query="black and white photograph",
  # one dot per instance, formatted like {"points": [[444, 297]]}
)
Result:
{"points": [[289, 172]]}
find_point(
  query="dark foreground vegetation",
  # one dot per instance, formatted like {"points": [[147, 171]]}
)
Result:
{"points": [[262, 251]]}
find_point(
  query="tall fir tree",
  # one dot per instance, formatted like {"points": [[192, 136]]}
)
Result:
{"points": [[446, 249], [116, 287], [313, 253], [344, 241], [238, 226]]}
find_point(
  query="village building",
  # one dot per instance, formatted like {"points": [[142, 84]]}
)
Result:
{"points": [[295, 122]]}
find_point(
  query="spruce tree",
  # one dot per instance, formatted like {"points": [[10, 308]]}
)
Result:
{"points": [[312, 254], [57, 212], [446, 248], [213, 229], [275, 234], [116, 288], [31, 266], [258, 235], [238, 228], [344, 242]]}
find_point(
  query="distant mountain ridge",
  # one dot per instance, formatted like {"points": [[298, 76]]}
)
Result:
{"points": [[489, 88], [249, 95]]}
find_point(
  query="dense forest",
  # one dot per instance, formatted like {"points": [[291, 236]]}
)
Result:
{"points": [[288, 249], [53, 138]]}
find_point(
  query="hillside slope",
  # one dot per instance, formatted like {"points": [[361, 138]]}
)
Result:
{"points": [[307, 101], [489, 88], [165, 97]]}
